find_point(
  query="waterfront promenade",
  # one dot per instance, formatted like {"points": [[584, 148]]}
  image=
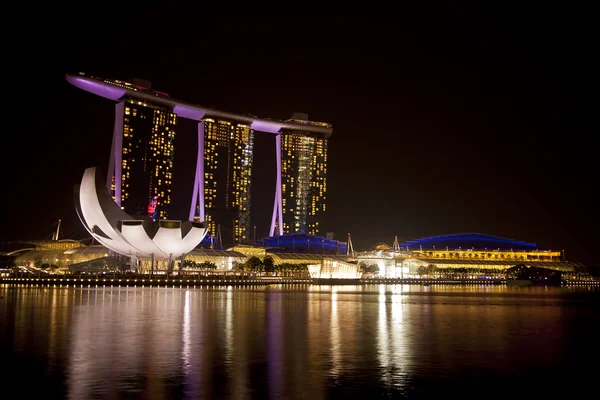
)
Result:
{"points": [[237, 281]]}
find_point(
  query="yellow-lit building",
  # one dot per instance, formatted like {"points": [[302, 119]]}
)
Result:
{"points": [[61, 253], [249, 250], [223, 259], [331, 268], [303, 177], [303, 258], [471, 254], [228, 156], [147, 159]]}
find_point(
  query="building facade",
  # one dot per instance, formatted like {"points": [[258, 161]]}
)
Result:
{"points": [[466, 255], [228, 156], [148, 135], [303, 177]]}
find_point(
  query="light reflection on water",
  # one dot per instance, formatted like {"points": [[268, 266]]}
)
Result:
{"points": [[294, 342]]}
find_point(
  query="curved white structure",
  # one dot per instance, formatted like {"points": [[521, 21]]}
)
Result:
{"points": [[123, 234]]}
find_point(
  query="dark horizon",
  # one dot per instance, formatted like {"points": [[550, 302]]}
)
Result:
{"points": [[466, 120]]}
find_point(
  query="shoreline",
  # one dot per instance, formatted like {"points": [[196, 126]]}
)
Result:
{"points": [[158, 282]]}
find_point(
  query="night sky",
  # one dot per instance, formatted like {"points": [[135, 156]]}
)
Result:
{"points": [[446, 120]]}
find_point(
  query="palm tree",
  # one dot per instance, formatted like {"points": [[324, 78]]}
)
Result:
{"points": [[206, 265]]}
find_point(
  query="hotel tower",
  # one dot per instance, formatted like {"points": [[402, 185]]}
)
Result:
{"points": [[228, 155], [303, 176], [140, 169], [142, 155]]}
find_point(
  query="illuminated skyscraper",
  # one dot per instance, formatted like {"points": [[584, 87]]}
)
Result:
{"points": [[148, 132], [303, 176], [228, 155], [142, 160]]}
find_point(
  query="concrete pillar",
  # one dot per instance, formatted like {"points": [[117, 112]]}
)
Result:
{"points": [[115, 162], [198, 194], [277, 218]]}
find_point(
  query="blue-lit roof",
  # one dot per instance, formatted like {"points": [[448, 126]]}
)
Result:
{"points": [[303, 243], [210, 242], [289, 243], [465, 241]]}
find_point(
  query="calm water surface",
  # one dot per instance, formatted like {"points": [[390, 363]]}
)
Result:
{"points": [[315, 342]]}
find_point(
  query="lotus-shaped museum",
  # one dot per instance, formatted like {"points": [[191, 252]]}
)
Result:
{"points": [[136, 237]]}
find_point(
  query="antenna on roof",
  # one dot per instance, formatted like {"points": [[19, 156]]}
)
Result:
{"points": [[396, 245], [350, 248], [55, 235]]}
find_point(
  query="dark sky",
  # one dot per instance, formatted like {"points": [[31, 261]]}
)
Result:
{"points": [[446, 120]]}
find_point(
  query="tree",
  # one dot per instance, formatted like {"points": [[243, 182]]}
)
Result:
{"points": [[284, 268], [254, 263], [206, 265], [303, 269], [362, 267], [45, 266], [373, 268], [189, 264], [269, 265], [431, 270], [237, 266]]}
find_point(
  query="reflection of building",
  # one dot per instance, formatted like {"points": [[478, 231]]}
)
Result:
{"points": [[228, 158], [303, 176]]}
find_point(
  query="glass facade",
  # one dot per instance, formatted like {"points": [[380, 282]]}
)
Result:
{"points": [[147, 163], [303, 181], [228, 156]]}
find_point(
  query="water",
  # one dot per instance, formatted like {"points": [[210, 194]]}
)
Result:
{"points": [[300, 342]]}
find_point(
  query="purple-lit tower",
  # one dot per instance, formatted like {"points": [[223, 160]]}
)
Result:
{"points": [[300, 145]]}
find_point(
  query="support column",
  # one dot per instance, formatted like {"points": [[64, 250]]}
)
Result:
{"points": [[277, 218], [134, 261], [170, 265], [110, 173], [198, 194], [116, 154], [181, 260]]}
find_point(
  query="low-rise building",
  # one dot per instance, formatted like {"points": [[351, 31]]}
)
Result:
{"points": [[468, 254]]}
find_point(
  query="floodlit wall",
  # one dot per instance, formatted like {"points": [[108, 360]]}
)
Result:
{"points": [[334, 269]]}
